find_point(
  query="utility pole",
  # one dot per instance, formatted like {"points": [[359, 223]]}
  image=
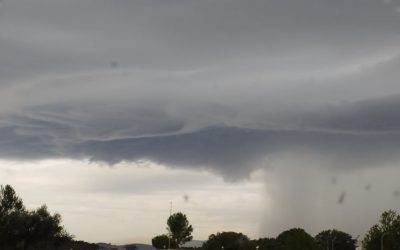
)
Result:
{"points": [[383, 235]]}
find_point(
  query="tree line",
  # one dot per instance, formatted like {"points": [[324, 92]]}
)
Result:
{"points": [[384, 235]]}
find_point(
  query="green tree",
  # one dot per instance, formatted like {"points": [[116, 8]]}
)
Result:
{"points": [[44, 227], [9, 201], [296, 239], [227, 241], [12, 217], [386, 233], [22, 228], [341, 240], [179, 228], [162, 241]]}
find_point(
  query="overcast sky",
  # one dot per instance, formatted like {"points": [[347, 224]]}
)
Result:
{"points": [[253, 116]]}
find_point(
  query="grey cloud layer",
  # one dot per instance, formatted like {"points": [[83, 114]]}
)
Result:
{"points": [[219, 133], [53, 37], [209, 84]]}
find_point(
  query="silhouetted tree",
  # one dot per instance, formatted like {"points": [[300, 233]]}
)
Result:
{"points": [[179, 228], [296, 239], [341, 240], [227, 241], [387, 231], [9, 201], [162, 241], [12, 217], [44, 227], [20, 228]]}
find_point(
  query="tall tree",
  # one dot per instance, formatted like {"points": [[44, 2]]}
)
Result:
{"points": [[12, 216], [227, 241], [23, 228], [385, 234], [179, 228], [338, 239], [9, 201]]}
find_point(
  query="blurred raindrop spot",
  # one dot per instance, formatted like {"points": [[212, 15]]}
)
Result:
{"points": [[113, 64], [341, 198], [186, 198]]}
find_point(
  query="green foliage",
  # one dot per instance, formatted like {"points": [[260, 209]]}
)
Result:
{"points": [[179, 228], [12, 217], [9, 201], [386, 232], [293, 239], [296, 239], [341, 240], [227, 240], [43, 226], [162, 241], [20, 228]]}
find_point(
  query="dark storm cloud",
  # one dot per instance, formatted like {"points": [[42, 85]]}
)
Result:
{"points": [[14, 146], [376, 115], [219, 85], [233, 152]]}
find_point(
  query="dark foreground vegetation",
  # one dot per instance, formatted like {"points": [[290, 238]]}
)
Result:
{"points": [[32, 229], [383, 236]]}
